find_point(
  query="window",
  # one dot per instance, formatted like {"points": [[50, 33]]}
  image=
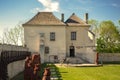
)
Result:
{"points": [[52, 36], [41, 34], [73, 35], [46, 49]]}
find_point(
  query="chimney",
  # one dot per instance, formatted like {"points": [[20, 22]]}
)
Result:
{"points": [[62, 17], [86, 18]]}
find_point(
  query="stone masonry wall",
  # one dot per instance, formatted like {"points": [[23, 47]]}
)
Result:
{"points": [[14, 67], [109, 57]]}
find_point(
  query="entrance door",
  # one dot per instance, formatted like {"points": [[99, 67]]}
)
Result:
{"points": [[72, 51]]}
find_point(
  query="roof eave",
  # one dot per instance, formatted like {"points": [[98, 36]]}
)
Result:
{"points": [[84, 25], [44, 25], [91, 32]]}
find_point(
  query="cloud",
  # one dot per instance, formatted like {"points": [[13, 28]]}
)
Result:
{"points": [[115, 5], [50, 5], [35, 10]]}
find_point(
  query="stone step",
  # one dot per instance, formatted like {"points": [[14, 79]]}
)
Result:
{"points": [[54, 78], [74, 60], [53, 72]]}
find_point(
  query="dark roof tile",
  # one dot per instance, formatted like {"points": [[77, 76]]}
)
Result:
{"points": [[74, 20]]}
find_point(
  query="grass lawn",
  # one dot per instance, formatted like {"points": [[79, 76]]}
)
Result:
{"points": [[106, 72]]}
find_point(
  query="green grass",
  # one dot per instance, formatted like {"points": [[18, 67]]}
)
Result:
{"points": [[106, 72]]}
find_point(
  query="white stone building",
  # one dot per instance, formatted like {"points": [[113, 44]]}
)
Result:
{"points": [[56, 40]]}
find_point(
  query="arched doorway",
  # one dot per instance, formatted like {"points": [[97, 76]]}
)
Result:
{"points": [[72, 51]]}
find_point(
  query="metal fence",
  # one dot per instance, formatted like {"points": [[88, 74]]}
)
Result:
{"points": [[8, 54]]}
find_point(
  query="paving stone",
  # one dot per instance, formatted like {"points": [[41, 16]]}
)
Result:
{"points": [[52, 70], [54, 78], [53, 73]]}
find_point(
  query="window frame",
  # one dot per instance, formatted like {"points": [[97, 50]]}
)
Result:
{"points": [[73, 35], [46, 49], [52, 36]]}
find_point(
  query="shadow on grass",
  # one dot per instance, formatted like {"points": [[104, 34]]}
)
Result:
{"points": [[58, 75], [20, 76], [63, 72]]}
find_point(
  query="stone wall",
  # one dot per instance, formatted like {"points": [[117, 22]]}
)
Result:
{"points": [[15, 67], [90, 55], [109, 57], [82, 39], [9, 47]]}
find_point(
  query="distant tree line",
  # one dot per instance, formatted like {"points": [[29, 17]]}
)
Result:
{"points": [[107, 36]]}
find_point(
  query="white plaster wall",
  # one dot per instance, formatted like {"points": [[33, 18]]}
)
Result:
{"points": [[15, 67], [82, 39], [63, 40], [57, 47], [91, 39], [90, 55]]}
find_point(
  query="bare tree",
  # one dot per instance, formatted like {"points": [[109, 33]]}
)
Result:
{"points": [[14, 36], [94, 27]]}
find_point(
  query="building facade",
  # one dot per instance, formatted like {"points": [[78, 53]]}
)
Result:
{"points": [[56, 40]]}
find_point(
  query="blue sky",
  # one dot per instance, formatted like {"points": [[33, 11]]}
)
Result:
{"points": [[13, 12]]}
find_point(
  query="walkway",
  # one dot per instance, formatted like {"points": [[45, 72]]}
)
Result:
{"points": [[78, 65], [55, 75]]}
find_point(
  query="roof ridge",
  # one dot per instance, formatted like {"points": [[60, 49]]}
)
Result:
{"points": [[44, 18], [74, 19]]}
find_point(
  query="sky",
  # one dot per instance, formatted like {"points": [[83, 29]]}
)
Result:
{"points": [[14, 12]]}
